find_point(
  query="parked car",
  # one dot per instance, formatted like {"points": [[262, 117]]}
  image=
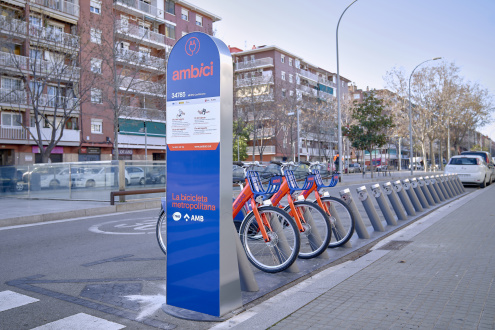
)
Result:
{"points": [[157, 175], [50, 176], [354, 168], [94, 177], [416, 166], [11, 179], [471, 169], [488, 160], [134, 174]]}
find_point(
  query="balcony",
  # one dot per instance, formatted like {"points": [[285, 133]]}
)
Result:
{"points": [[256, 64], [142, 86], [69, 136], [254, 81], [139, 8], [13, 27], [18, 64], [255, 99], [11, 133], [65, 10], [13, 97], [267, 150], [60, 102], [325, 96], [140, 59], [139, 34], [315, 151], [264, 133], [53, 38], [143, 113], [308, 75], [307, 90]]}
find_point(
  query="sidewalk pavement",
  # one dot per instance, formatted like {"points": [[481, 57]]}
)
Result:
{"points": [[439, 272]]}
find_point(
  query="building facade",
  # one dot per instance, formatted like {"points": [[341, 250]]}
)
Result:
{"points": [[273, 88], [91, 71]]}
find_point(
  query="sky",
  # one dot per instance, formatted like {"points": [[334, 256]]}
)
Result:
{"points": [[374, 35]]}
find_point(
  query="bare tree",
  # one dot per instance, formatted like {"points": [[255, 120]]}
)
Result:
{"points": [[42, 86]]}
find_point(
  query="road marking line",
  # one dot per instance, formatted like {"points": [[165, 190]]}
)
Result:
{"points": [[81, 321], [10, 299]]}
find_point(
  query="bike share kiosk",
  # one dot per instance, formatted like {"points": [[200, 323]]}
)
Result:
{"points": [[202, 271]]}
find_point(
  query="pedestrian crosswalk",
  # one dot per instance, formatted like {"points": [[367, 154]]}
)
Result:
{"points": [[81, 321]]}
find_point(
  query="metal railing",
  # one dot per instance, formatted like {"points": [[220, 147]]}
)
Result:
{"points": [[17, 97], [144, 113], [67, 7], [142, 86], [11, 133], [254, 81], [266, 150], [12, 25], [53, 69], [60, 102], [51, 35], [140, 59], [139, 32], [141, 6], [248, 65], [308, 75]]}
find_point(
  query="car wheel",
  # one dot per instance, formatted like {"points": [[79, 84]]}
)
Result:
{"points": [[163, 179], [90, 184], [54, 184], [142, 181], [483, 184], [127, 182], [19, 186]]}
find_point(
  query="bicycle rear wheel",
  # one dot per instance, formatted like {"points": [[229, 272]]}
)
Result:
{"points": [[341, 219], [161, 231], [281, 251], [317, 233]]}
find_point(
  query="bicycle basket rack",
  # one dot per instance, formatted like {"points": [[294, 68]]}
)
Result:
{"points": [[257, 187], [292, 182], [319, 180]]}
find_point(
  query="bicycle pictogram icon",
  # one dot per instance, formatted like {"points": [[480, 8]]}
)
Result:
{"points": [[192, 46]]}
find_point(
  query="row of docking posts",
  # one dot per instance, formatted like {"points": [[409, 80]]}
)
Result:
{"points": [[406, 197]]}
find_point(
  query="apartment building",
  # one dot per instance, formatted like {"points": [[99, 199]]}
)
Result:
{"points": [[92, 69], [271, 86]]}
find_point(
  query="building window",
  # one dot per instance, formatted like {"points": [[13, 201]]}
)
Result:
{"points": [[95, 35], [96, 126], [170, 7], [10, 119], [185, 14], [291, 93], [357, 96], [297, 64], [95, 7], [282, 58], [283, 75], [283, 92], [298, 79], [290, 61], [12, 84], [169, 31], [96, 96], [291, 78], [199, 20], [95, 65]]}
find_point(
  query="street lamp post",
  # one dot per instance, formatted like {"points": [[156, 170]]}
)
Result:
{"points": [[339, 115], [410, 115], [298, 146]]}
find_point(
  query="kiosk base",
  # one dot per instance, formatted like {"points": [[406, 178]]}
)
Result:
{"points": [[187, 314]]}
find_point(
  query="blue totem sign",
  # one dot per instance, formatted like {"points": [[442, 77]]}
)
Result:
{"points": [[202, 270]]}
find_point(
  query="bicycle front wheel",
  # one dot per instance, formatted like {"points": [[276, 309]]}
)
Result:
{"points": [[317, 229], [161, 231], [341, 219], [281, 251]]}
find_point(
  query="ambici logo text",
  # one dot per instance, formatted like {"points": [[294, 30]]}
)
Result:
{"points": [[192, 46], [176, 216]]}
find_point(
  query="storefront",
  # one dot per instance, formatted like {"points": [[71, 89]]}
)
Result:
{"points": [[89, 154]]}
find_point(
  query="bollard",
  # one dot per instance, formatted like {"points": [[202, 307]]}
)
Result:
{"points": [[446, 189], [412, 195], [455, 183], [394, 200], [387, 212], [359, 225], [448, 183], [443, 185], [284, 246], [431, 189], [370, 209], [246, 275], [406, 202], [460, 183], [419, 193], [435, 185], [441, 191], [426, 191]]}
